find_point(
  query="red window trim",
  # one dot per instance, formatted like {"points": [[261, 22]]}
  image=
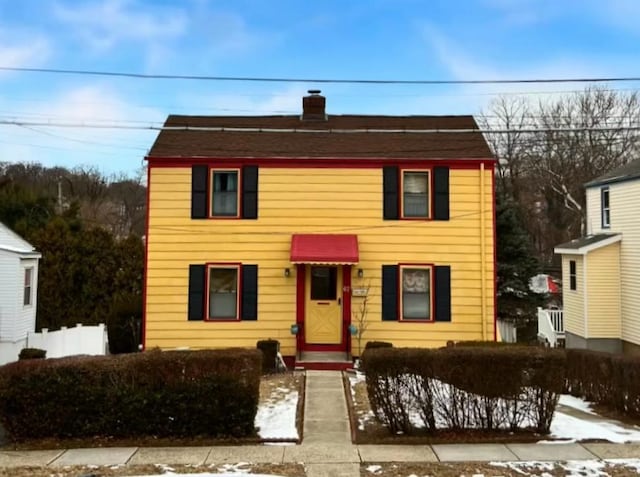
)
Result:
{"points": [[228, 265], [212, 171], [429, 193], [430, 267]]}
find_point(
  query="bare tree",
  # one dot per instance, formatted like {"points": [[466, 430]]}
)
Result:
{"points": [[554, 148]]}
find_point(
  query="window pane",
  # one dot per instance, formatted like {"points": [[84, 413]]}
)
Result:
{"points": [[415, 189], [415, 294], [225, 193], [223, 293], [27, 296], [323, 283], [27, 277]]}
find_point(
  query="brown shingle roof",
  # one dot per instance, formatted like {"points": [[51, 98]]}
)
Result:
{"points": [[184, 143]]}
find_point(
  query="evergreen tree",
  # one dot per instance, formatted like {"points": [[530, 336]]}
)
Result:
{"points": [[516, 264]]}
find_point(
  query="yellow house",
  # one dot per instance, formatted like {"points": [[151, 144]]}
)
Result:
{"points": [[601, 271], [295, 227]]}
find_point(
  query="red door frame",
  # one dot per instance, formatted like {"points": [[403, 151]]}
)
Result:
{"points": [[301, 344]]}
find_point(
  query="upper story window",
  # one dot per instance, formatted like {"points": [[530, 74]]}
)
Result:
{"points": [[573, 277], [606, 210], [28, 286], [415, 194], [224, 193]]}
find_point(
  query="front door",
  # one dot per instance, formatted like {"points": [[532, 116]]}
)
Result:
{"points": [[323, 310]]}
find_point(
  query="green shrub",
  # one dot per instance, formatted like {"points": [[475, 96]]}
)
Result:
{"points": [[269, 350], [171, 393], [465, 387], [32, 353]]}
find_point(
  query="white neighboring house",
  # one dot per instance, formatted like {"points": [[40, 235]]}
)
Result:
{"points": [[18, 293]]}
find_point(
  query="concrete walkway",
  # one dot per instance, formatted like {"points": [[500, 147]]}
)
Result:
{"points": [[326, 449]]}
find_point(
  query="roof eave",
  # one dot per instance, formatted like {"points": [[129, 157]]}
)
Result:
{"points": [[588, 248]]}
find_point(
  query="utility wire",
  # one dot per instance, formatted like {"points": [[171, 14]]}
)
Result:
{"points": [[315, 80], [317, 131]]}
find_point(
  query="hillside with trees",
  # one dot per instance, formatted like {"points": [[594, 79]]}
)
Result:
{"points": [[89, 230]]}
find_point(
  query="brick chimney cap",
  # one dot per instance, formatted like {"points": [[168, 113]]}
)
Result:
{"points": [[314, 91]]}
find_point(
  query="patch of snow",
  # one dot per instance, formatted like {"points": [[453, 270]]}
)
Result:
{"points": [[364, 417], [276, 418], [374, 468], [211, 474], [631, 463], [576, 403], [564, 426]]}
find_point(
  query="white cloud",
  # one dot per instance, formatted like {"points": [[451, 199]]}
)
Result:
{"points": [[22, 47], [105, 24], [110, 150]]}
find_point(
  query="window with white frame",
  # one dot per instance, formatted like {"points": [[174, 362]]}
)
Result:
{"points": [[415, 284], [28, 286], [223, 293], [606, 210], [573, 275]]}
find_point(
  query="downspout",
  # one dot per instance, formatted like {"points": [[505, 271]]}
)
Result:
{"points": [[483, 264]]}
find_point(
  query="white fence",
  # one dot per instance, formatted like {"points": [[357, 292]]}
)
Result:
{"points": [[508, 331], [550, 326], [71, 341]]}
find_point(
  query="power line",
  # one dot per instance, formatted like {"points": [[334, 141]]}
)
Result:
{"points": [[315, 80], [83, 125]]}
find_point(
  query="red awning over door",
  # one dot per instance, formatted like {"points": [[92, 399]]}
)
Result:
{"points": [[324, 249]]}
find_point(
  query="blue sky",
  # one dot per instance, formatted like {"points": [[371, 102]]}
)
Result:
{"points": [[370, 39]]}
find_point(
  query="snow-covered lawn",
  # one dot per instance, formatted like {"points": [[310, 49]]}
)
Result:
{"points": [[276, 417], [564, 427]]}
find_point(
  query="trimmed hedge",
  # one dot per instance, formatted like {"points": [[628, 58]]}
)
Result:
{"points": [[464, 387], [377, 344], [157, 393], [607, 379], [32, 353]]}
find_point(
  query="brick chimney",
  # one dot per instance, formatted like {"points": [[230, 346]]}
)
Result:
{"points": [[313, 106]]}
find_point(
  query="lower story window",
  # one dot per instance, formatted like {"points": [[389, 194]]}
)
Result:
{"points": [[223, 293], [415, 287]]}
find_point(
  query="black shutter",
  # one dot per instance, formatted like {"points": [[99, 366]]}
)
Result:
{"points": [[390, 190], [443, 293], [196, 292], [389, 292], [199, 191], [441, 193], [249, 292], [250, 192]]}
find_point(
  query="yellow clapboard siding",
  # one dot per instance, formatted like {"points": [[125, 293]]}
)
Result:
{"points": [[603, 292], [573, 300], [315, 201]]}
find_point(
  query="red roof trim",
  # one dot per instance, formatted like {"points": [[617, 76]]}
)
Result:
{"points": [[325, 162], [324, 248]]}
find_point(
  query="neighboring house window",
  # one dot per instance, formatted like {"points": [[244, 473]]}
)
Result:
{"points": [[412, 292], [573, 280], [415, 194], [606, 210], [223, 293], [224, 193], [28, 286], [415, 289]]}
